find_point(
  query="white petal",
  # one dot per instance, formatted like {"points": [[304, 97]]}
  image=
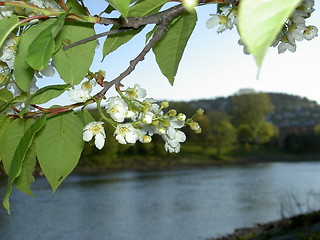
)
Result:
{"points": [[180, 136], [176, 123], [131, 137], [87, 136], [213, 21], [121, 139], [173, 142], [99, 141], [171, 132]]}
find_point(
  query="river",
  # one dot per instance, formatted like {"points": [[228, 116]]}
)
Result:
{"points": [[180, 204]]}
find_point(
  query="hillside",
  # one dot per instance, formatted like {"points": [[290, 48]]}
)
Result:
{"points": [[290, 110]]}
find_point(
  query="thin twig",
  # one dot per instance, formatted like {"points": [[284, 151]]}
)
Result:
{"points": [[162, 29], [94, 37]]}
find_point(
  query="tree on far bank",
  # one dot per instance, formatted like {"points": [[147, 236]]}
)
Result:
{"points": [[249, 113], [223, 134]]}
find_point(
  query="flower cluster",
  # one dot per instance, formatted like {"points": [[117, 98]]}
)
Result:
{"points": [[295, 28], [137, 118], [226, 19], [82, 94]]}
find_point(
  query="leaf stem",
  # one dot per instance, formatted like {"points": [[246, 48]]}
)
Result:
{"points": [[102, 114]]}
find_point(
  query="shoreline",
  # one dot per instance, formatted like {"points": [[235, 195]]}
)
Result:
{"points": [[303, 227]]}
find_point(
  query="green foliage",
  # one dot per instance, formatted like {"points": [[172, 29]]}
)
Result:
{"points": [[302, 143], [7, 25], [47, 93], [170, 48], [261, 21], [23, 72], [59, 146], [121, 5], [43, 46], [222, 130], [17, 168], [249, 114], [73, 64], [142, 8]]}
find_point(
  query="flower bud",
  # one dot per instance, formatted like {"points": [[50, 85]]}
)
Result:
{"points": [[189, 5], [194, 126], [198, 131], [200, 112], [161, 130], [166, 122], [146, 139], [164, 104], [181, 117], [172, 112], [155, 122]]}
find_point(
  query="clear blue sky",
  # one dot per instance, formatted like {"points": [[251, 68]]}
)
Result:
{"points": [[214, 65]]}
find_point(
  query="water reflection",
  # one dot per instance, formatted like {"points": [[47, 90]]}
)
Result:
{"points": [[177, 204]]}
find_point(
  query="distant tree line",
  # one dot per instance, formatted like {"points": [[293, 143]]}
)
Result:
{"points": [[303, 143], [244, 126]]}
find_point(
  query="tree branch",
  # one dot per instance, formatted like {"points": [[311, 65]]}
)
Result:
{"points": [[94, 37], [163, 20]]}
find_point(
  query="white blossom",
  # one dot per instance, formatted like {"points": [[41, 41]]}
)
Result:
{"points": [[5, 11], [45, 4], [173, 138], [7, 51], [88, 85], [284, 46], [126, 133], [117, 108], [96, 130], [310, 32], [79, 95], [147, 117], [295, 28], [226, 19], [136, 92]]}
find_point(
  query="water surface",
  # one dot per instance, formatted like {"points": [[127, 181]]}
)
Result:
{"points": [[162, 205]]}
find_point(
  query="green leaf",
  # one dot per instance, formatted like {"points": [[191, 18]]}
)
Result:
{"points": [[4, 122], [25, 179], [23, 73], [85, 116], [19, 156], [73, 64], [140, 9], [121, 5], [170, 48], [11, 136], [7, 105], [260, 22], [75, 7], [59, 147], [42, 48], [47, 93], [146, 7], [7, 25], [5, 95]]}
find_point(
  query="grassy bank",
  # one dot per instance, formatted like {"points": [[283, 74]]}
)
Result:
{"points": [[300, 227], [191, 155]]}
